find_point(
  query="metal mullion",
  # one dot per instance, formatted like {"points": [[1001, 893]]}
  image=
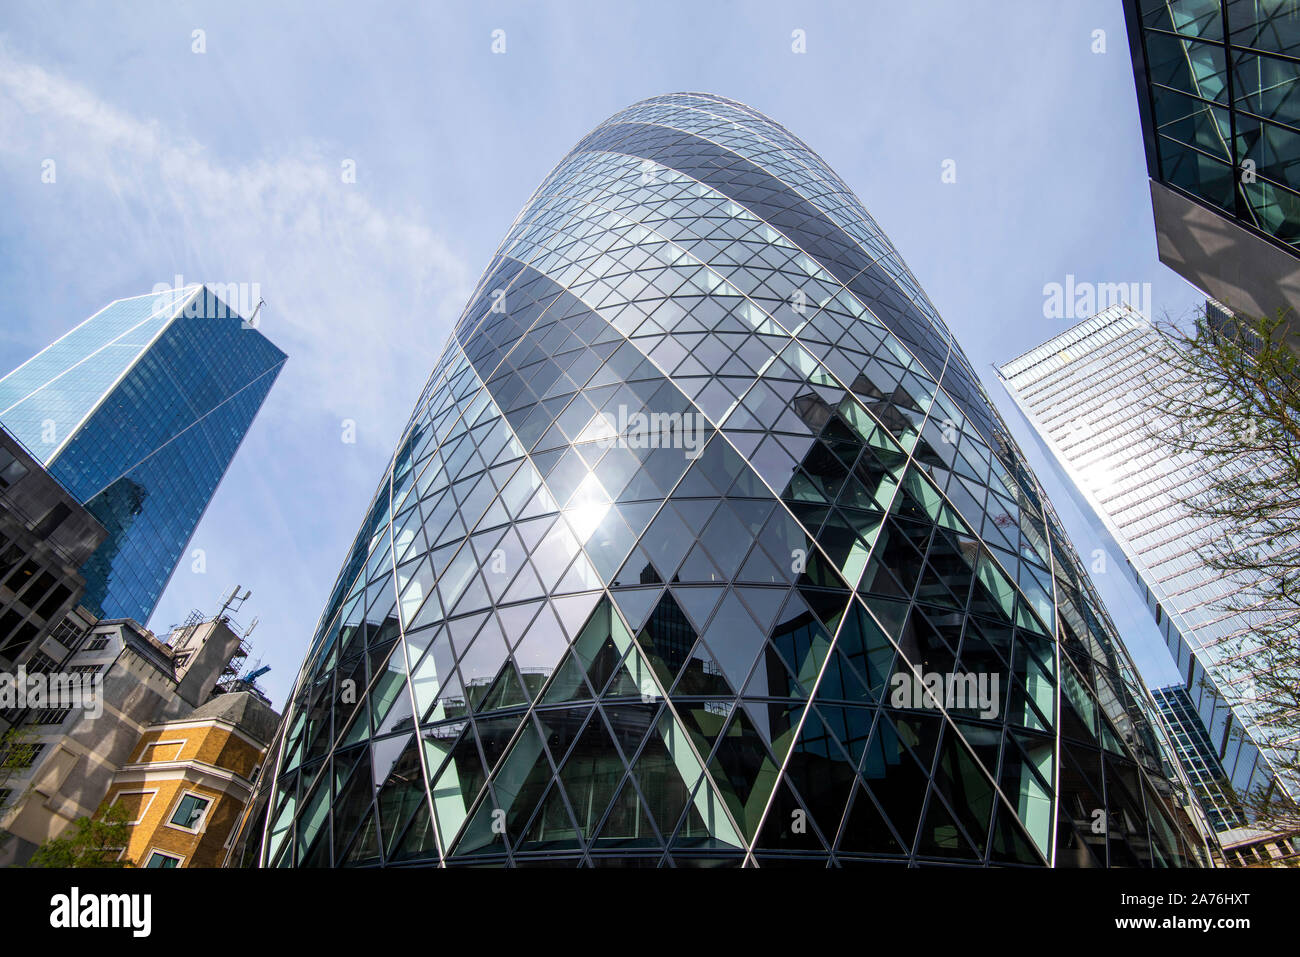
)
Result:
{"points": [[1149, 93], [1238, 197]]}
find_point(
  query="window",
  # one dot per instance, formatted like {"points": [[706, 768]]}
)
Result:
{"points": [[159, 859], [41, 663], [52, 519], [53, 601], [134, 803], [10, 557], [20, 755], [162, 751], [11, 470], [190, 812], [68, 635], [97, 643]]}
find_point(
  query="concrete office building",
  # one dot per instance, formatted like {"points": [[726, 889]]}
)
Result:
{"points": [[45, 537]]}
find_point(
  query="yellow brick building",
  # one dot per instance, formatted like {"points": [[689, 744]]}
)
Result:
{"points": [[187, 781]]}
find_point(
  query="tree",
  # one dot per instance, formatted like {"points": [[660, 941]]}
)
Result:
{"points": [[93, 842], [17, 751], [1231, 405]]}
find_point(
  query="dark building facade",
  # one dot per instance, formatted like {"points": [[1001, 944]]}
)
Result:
{"points": [[705, 547], [1218, 89], [45, 537], [138, 411]]}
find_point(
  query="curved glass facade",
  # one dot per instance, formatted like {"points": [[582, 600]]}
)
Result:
{"points": [[704, 546]]}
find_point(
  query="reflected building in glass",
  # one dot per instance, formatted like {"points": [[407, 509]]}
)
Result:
{"points": [[138, 411], [1199, 758], [698, 493]]}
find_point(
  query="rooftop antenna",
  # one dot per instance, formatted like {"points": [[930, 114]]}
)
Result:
{"points": [[234, 601], [251, 321], [250, 628]]}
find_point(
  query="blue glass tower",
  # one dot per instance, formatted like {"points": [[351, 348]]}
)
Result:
{"points": [[138, 412]]}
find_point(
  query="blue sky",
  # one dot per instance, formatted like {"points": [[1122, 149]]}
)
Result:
{"points": [[224, 166]]}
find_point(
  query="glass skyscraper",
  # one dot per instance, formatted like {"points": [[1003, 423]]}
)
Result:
{"points": [[138, 411], [1091, 395], [1218, 92], [1198, 757], [705, 547], [1221, 83]]}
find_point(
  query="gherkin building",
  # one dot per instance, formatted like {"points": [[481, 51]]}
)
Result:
{"points": [[704, 546]]}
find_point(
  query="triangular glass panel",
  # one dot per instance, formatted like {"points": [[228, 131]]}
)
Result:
{"points": [[506, 691], [457, 784], [698, 603], [893, 775], [735, 640], [706, 824], [552, 828], [744, 771], [801, 640], [698, 567], [940, 836], [701, 676], [760, 569], [666, 638], [637, 570], [865, 829], [365, 848], [520, 781], [822, 772], [401, 795], [1011, 846], [788, 825], [628, 824], [591, 774]]}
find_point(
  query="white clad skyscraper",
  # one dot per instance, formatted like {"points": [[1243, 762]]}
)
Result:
{"points": [[1093, 394]]}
